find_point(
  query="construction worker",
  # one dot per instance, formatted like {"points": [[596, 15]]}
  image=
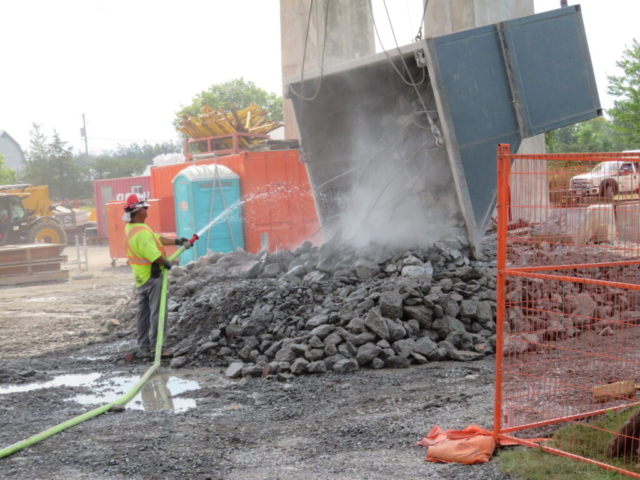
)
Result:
{"points": [[146, 255], [17, 212]]}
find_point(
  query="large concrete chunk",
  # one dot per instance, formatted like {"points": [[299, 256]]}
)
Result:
{"points": [[628, 222], [577, 226], [383, 169]]}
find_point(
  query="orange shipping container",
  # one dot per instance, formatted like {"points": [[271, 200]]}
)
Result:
{"points": [[115, 227], [278, 208]]}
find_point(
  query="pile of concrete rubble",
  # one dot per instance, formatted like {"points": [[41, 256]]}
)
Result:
{"points": [[335, 307]]}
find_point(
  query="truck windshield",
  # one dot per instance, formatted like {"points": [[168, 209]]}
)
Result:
{"points": [[606, 167]]}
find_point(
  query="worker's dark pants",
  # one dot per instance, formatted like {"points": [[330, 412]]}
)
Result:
{"points": [[148, 313]]}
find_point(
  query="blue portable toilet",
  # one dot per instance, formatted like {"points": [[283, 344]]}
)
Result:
{"points": [[206, 193]]}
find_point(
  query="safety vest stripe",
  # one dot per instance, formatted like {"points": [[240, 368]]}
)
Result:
{"points": [[138, 261], [135, 230]]}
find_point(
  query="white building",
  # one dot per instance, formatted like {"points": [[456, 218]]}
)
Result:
{"points": [[11, 151]]}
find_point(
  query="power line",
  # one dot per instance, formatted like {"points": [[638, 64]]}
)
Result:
{"points": [[424, 13], [304, 55], [84, 134], [389, 58], [409, 16], [434, 128]]}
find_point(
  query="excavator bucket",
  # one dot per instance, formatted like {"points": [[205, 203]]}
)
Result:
{"points": [[400, 146]]}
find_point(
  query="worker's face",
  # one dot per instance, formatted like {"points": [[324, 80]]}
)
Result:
{"points": [[141, 215]]}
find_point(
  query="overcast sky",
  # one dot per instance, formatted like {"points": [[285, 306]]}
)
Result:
{"points": [[130, 65]]}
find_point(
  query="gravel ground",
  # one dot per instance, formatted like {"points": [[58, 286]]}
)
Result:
{"points": [[354, 426], [361, 425]]}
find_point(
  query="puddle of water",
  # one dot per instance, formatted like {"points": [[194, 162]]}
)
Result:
{"points": [[42, 299], [72, 380], [158, 394]]}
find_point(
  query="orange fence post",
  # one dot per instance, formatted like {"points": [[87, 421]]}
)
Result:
{"points": [[504, 163]]}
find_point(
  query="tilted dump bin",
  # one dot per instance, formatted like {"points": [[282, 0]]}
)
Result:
{"points": [[400, 147]]}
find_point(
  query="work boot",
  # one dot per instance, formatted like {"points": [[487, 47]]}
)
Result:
{"points": [[145, 354], [138, 355], [166, 353]]}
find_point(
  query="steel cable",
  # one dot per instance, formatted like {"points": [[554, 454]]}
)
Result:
{"points": [[290, 89], [434, 128]]}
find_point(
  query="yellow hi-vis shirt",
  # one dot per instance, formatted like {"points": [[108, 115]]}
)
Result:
{"points": [[143, 247]]}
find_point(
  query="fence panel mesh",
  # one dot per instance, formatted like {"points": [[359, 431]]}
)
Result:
{"points": [[568, 316]]}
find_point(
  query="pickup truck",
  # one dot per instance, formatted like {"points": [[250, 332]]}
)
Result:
{"points": [[607, 179]]}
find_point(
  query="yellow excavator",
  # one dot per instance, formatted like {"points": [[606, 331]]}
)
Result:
{"points": [[27, 216]]}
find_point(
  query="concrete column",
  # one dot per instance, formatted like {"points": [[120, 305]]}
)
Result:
{"points": [[350, 35], [449, 16], [530, 191]]}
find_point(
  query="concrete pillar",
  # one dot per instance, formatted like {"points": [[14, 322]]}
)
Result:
{"points": [[530, 192], [449, 16], [350, 35]]}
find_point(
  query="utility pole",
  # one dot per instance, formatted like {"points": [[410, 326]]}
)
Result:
{"points": [[83, 133]]}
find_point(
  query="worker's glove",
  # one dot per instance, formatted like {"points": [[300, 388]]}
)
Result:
{"points": [[167, 266], [184, 242]]}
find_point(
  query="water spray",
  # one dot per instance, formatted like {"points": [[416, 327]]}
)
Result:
{"points": [[223, 216]]}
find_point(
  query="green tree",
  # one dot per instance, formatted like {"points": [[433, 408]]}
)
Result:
{"points": [[626, 110], [66, 179], [125, 160], [109, 167], [128, 160], [238, 92], [36, 163], [145, 152], [7, 175], [595, 135], [52, 163]]}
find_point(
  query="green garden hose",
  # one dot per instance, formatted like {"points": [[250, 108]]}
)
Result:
{"points": [[122, 400]]}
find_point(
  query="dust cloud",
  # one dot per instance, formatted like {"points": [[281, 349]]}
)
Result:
{"points": [[402, 192]]}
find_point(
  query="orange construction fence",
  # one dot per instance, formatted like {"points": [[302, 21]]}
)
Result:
{"points": [[568, 306]]}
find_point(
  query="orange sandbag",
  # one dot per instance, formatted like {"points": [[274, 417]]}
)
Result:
{"points": [[476, 450], [468, 446]]}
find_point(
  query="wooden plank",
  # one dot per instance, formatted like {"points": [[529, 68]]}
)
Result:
{"points": [[40, 277], [61, 259], [612, 391], [25, 253], [27, 268]]}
